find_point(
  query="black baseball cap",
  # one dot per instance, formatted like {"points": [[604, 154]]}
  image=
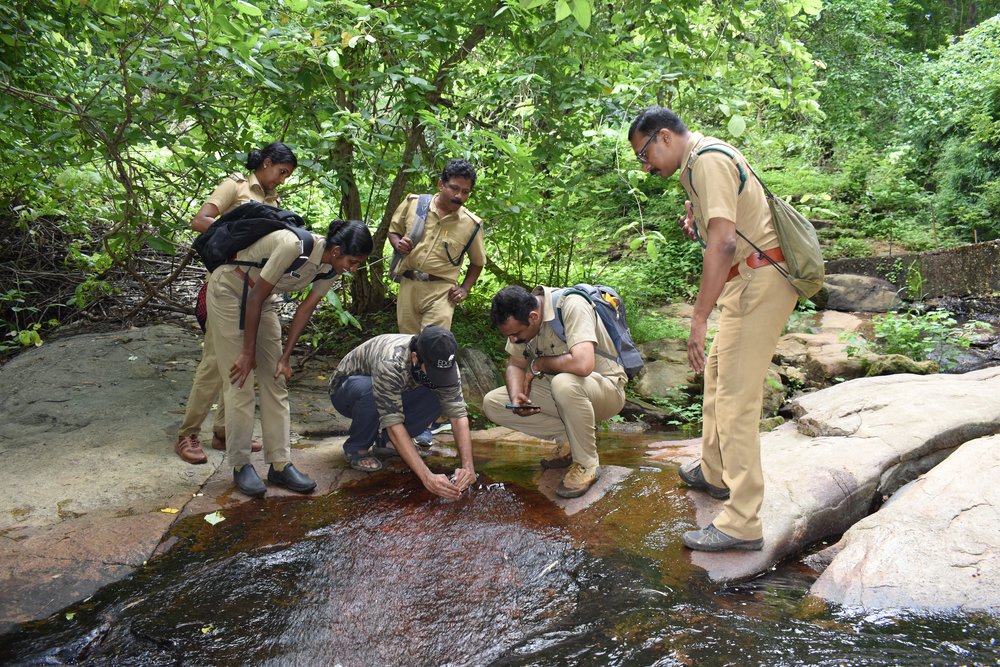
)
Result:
{"points": [[436, 347]]}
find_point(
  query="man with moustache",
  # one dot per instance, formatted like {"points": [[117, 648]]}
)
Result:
{"points": [[430, 236], [754, 301], [430, 266]]}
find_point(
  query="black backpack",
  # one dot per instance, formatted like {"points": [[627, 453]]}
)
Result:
{"points": [[610, 308], [245, 225], [242, 227]]}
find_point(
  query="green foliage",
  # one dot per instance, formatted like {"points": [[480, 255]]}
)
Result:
{"points": [[846, 247], [649, 326], [683, 409], [120, 116], [918, 336]]}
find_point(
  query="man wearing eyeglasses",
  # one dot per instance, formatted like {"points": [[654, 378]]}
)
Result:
{"points": [[726, 210], [432, 257], [391, 387]]}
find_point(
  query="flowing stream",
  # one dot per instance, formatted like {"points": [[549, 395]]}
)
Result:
{"points": [[379, 573]]}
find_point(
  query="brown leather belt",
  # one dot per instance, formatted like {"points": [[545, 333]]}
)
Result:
{"points": [[755, 261], [243, 276], [423, 277]]}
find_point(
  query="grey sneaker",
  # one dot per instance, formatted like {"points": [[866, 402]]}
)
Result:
{"points": [[691, 474], [711, 538], [425, 439]]}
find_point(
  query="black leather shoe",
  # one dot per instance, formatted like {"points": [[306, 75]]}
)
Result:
{"points": [[291, 479], [249, 481]]}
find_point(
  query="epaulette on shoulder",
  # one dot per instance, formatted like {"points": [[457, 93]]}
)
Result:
{"points": [[411, 197], [237, 177], [472, 216]]}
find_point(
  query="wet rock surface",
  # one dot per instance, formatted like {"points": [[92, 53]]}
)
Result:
{"points": [[88, 428], [94, 485], [853, 445]]}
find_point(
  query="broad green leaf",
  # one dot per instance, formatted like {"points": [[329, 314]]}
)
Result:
{"points": [[244, 7], [531, 4], [161, 244], [737, 126], [297, 5], [812, 7], [562, 10], [333, 59], [652, 249], [582, 12]]}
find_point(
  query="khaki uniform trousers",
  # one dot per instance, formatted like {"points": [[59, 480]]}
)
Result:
{"points": [[225, 290], [754, 309], [204, 392], [571, 407], [422, 303]]}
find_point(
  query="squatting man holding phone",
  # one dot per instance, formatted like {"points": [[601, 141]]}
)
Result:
{"points": [[556, 389]]}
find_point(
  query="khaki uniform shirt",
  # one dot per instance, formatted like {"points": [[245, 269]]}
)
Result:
{"points": [[386, 360], [581, 324], [713, 185], [443, 237], [281, 248], [238, 189]]}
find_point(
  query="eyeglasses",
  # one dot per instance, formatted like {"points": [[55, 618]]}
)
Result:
{"points": [[641, 155]]}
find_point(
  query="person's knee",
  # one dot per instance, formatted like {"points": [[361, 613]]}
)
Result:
{"points": [[567, 387], [493, 404]]}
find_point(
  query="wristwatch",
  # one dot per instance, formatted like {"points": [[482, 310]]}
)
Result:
{"points": [[531, 367]]}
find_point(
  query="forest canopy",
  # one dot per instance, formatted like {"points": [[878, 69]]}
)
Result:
{"points": [[120, 116]]}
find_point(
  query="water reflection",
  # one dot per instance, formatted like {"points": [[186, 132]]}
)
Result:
{"points": [[379, 574]]}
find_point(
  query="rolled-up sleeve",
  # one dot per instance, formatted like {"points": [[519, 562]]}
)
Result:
{"points": [[388, 384]]}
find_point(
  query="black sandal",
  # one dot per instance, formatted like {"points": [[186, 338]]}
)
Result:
{"points": [[361, 461]]}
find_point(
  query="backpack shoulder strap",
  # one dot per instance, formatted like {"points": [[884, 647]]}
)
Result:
{"points": [[465, 248], [717, 148], [586, 291], [420, 220]]}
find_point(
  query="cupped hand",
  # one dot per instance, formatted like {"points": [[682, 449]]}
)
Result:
{"points": [[463, 478], [441, 486]]}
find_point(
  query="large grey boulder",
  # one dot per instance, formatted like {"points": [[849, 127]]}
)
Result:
{"points": [[932, 546], [860, 294], [852, 444], [820, 351], [666, 369], [479, 374]]}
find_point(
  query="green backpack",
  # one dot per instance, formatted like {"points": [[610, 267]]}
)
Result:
{"points": [[796, 235]]}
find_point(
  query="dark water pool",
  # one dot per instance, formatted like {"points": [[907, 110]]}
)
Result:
{"points": [[379, 573]]}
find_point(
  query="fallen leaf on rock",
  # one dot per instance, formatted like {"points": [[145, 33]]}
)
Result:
{"points": [[214, 518], [169, 510]]}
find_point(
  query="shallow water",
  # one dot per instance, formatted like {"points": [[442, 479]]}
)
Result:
{"points": [[379, 573]]}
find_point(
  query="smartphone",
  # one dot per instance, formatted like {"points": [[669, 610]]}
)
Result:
{"points": [[511, 406]]}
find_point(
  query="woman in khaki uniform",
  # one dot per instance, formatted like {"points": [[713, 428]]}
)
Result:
{"points": [[268, 167], [238, 348]]}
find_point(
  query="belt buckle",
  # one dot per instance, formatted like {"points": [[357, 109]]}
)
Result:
{"points": [[422, 276]]}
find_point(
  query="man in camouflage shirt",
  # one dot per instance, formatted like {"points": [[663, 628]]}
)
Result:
{"points": [[392, 387]]}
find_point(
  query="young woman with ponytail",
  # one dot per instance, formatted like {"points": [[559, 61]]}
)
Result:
{"points": [[240, 352]]}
